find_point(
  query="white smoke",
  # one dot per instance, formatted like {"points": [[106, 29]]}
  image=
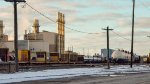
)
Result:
{"points": [[24, 23]]}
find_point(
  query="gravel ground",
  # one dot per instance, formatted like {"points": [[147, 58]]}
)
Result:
{"points": [[142, 78]]}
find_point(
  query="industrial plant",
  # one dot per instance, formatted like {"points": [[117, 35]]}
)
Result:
{"points": [[49, 47], [39, 47], [46, 47]]}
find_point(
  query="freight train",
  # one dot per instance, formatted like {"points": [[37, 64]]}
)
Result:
{"points": [[117, 56], [122, 56], [92, 59], [42, 57], [5, 56]]}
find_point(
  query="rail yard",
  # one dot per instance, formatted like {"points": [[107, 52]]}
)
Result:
{"points": [[35, 48]]}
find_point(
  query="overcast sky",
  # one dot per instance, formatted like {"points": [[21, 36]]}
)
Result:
{"points": [[87, 16]]}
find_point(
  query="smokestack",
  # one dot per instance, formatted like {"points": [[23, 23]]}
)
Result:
{"points": [[36, 26], [25, 32], [1, 27], [29, 31]]}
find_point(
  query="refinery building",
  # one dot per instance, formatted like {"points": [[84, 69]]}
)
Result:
{"points": [[35, 41], [41, 47]]}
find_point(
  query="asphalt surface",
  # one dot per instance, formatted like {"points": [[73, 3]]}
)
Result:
{"points": [[142, 78]]}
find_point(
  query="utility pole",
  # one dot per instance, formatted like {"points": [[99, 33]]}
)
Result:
{"points": [[148, 37], [131, 63], [107, 29], [83, 52], [88, 52], [16, 30]]}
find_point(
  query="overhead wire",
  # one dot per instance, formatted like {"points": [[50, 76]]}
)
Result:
{"points": [[56, 21], [40, 12], [121, 36], [69, 27], [144, 5], [81, 31], [126, 38]]}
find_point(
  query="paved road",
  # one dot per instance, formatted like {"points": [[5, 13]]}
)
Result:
{"points": [[143, 78]]}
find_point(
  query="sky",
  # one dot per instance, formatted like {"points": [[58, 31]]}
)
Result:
{"points": [[87, 16]]}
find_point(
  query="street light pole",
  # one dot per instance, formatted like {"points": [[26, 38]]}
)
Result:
{"points": [[15, 30]]}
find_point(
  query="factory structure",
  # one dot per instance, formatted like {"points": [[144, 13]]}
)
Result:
{"points": [[41, 41], [49, 47], [41, 46], [54, 41], [3, 37]]}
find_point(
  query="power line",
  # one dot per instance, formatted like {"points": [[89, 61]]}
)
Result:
{"points": [[144, 5], [40, 12], [81, 31], [69, 27], [56, 22], [121, 36], [127, 38]]}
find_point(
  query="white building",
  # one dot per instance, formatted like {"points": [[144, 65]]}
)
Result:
{"points": [[32, 45], [46, 36]]}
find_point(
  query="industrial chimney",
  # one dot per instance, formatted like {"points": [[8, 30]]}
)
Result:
{"points": [[25, 32], [1, 27], [36, 26]]}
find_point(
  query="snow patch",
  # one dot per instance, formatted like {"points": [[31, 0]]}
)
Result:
{"points": [[61, 73]]}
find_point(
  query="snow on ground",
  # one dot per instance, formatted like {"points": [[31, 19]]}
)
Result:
{"points": [[60, 73]]}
